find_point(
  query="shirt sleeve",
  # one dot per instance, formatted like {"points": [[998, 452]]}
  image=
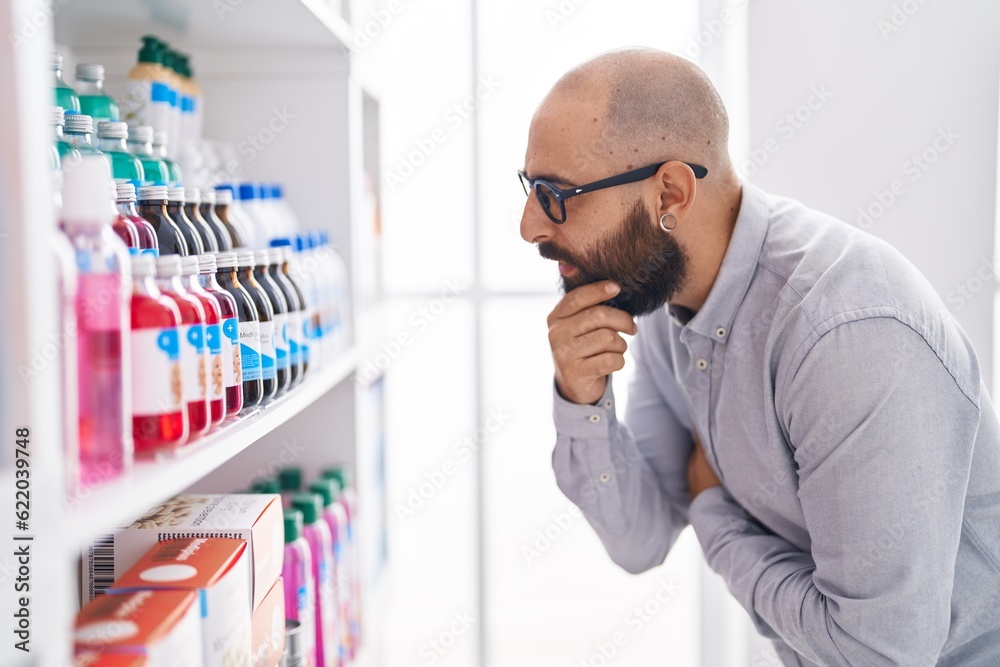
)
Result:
{"points": [[630, 481], [882, 437]]}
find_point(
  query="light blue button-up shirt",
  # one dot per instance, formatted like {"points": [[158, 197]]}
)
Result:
{"points": [[845, 412]]}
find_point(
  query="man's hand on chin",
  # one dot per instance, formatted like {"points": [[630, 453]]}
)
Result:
{"points": [[700, 473]]}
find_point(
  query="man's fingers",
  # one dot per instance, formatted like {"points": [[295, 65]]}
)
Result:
{"points": [[583, 297], [605, 363], [596, 342], [600, 317]]}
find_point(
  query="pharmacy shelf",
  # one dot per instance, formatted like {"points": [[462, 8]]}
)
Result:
{"points": [[203, 23], [118, 502]]}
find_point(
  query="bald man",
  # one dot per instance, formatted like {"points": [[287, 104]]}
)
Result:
{"points": [[801, 395]]}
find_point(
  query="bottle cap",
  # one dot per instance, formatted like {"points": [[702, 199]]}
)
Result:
{"points": [[85, 191], [226, 260], [152, 192], [248, 191], [192, 195], [189, 265], [246, 259], [280, 242], [143, 265], [326, 489], [168, 266], [57, 60], [265, 486], [88, 72], [125, 192], [293, 525], [277, 192], [290, 479], [206, 263], [151, 50], [79, 123], [112, 129], [175, 194], [301, 242], [262, 257], [57, 116], [160, 137], [208, 196], [263, 191], [223, 196], [337, 474], [140, 134], [295, 647], [311, 506]]}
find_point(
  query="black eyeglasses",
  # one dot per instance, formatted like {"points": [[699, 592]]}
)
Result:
{"points": [[553, 199]]}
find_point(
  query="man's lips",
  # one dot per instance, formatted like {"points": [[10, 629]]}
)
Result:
{"points": [[566, 269]]}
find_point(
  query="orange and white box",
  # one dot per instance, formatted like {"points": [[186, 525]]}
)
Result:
{"points": [[217, 569], [255, 518], [163, 627], [90, 659], [267, 628]]}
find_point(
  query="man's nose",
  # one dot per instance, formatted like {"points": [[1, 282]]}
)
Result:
{"points": [[535, 225]]}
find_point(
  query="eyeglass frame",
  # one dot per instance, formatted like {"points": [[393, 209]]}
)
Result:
{"points": [[562, 194]]}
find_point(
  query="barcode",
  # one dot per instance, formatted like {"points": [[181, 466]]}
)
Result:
{"points": [[102, 565], [172, 552]]}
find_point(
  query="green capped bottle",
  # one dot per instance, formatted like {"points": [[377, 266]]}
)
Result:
{"points": [[79, 130], [140, 144], [111, 138], [93, 100]]}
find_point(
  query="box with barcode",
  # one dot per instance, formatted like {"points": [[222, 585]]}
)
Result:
{"points": [[161, 626], [95, 659], [217, 569], [254, 518]]}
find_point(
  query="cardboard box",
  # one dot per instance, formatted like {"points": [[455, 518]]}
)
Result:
{"points": [[254, 518], [89, 659], [162, 626], [267, 628], [217, 569]]}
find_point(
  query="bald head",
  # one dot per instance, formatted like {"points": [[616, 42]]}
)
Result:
{"points": [[647, 106]]}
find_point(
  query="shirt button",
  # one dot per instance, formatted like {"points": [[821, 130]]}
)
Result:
{"points": [[594, 419], [607, 403], [702, 364], [605, 478], [720, 332]]}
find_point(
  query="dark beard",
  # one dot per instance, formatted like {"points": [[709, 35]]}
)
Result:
{"points": [[648, 264]]}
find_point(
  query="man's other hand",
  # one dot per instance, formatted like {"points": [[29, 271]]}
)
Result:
{"points": [[700, 473]]}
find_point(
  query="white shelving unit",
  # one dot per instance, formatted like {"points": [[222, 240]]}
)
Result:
{"points": [[255, 60]]}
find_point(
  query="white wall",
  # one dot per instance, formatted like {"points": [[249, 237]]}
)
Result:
{"points": [[897, 73]]}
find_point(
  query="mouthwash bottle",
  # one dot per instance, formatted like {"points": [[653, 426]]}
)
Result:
{"points": [[153, 207], [215, 384], [111, 138], [349, 499], [159, 417], [232, 362], [93, 100], [175, 209], [317, 535], [65, 96], [269, 371], [160, 151], [146, 100], [104, 289], [140, 143], [123, 227], [300, 586], [125, 200], [248, 331], [335, 518], [262, 258]]}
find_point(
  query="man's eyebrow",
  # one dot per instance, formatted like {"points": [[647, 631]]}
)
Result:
{"points": [[551, 178]]}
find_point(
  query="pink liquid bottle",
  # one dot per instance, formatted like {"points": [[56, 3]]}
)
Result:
{"points": [[216, 385], [348, 499], [104, 288], [317, 533], [123, 226], [159, 417], [232, 362], [125, 197], [300, 587], [335, 517], [192, 340]]}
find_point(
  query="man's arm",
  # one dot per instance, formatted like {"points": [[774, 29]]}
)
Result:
{"points": [[883, 439]]}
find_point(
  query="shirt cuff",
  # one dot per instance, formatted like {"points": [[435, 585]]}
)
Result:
{"points": [[584, 421]]}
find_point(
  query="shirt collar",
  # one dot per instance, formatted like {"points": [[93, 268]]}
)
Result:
{"points": [[738, 268]]}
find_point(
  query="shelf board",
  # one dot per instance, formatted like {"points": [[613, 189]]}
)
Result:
{"points": [[149, 482], [202, 24]]}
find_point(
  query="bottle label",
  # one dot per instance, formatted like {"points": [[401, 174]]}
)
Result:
{"points": [[157, 386], [305, 342], [328, 603], [231, 363], [213, 346], [193, 358], [250, 350], [294, 329], [268, 370], [281, 341]]}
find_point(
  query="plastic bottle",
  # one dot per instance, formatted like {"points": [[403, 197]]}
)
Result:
{"points": [[283, 371], [215, 388], [125, 198], [206, 208], [160, 151], [192, 209], [104, 353], [146, 101], [335, 517], [239, 217], [296, 363], [93, 100], [341, 290], [192, 340], [140, 143], [159, 417], [191, 117], [249, 207], [289, 483], [174, 131], [69, 401], [223, 200], [175, 209], [123, 227], [349, 499], [290, 222], [65, 96], [152, 206], [63, 147], [269, 371], [248, 330], [232, 364], [304, 270], [317, 534], [79, 130], [111, 138], [300, 587]]}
